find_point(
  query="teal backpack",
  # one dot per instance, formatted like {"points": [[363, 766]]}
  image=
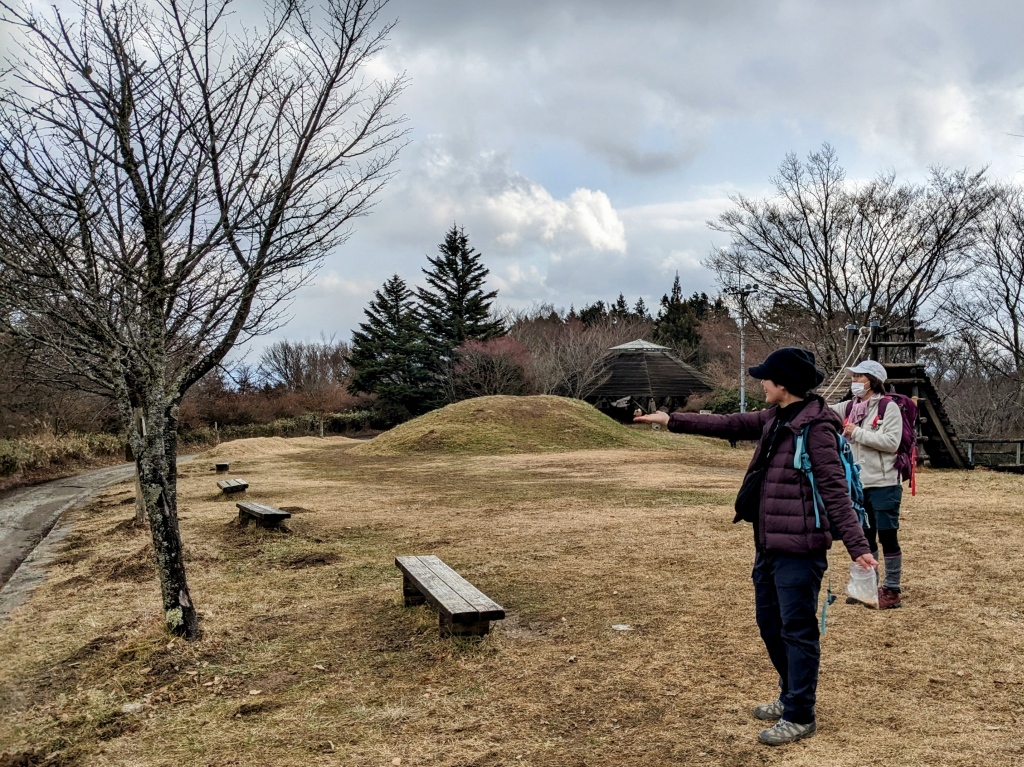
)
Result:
{"points": [[802, 462]]}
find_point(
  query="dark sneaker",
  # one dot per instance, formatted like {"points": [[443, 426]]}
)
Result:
{"points": [[769, 712], [786, 732], [888, 599]]}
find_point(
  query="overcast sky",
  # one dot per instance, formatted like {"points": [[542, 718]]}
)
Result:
{"points": [[583, 144]]}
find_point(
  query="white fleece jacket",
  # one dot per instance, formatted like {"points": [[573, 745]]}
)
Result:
{"points": [[875, 444]]}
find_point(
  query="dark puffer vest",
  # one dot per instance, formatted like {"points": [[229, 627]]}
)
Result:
{"points": [[786, 521]]}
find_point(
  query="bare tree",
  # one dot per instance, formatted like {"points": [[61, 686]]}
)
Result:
{"points": [[485, 368], [318, 370], [989, 305], [982, 401], [301, 365], [567, 355], [169, 180], [825, 252]]}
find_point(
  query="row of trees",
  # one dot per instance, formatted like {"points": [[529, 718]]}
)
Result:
{"points": [[949, 253], [443, 342]]}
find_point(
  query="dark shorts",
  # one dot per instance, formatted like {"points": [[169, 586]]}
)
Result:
{"points": [[883, 504]]}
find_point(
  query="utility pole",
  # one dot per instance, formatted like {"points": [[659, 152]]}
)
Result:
{"points": [[741, 291]]}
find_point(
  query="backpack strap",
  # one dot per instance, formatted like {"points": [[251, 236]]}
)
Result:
{"points": [[882, 404], [802, 463]]}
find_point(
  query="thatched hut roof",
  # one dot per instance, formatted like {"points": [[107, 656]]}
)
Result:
{"points": [[642, 370]]}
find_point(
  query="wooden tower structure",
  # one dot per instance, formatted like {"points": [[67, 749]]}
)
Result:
{"points": [[898, 349]]}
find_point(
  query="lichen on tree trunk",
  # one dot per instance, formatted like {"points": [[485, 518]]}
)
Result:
{"points": [[157, 467]]}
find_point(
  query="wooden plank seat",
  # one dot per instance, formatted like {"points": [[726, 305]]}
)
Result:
{"points": [[229, 486], [222, 467], [263, 515], [463, 609]]}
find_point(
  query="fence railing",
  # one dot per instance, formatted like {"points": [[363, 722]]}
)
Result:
{"points": [[1015, 451]]}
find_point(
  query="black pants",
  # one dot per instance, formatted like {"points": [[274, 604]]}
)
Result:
{"points": [[786, 590]]}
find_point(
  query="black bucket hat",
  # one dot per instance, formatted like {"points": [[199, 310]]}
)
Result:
{"points": [[790, 367]]}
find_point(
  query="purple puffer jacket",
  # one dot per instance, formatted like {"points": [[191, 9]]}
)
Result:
{"points": [[787, 507]]}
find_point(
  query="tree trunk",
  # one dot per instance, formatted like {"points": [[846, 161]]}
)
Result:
{"points": [[157, 466]]}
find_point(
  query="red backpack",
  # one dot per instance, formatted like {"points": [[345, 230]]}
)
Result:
{"points": [[906, 453]]}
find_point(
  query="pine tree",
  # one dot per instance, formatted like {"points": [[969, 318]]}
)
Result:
{"points": [[677, 323], [390, 354], [620, 308], [454, 306], [596, 312], [640, 310]]}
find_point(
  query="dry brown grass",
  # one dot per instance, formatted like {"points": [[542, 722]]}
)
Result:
{"points": [[310, 658]]}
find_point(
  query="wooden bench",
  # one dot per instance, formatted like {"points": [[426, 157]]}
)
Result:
{"points": [[229, 486], [263, 515], [222, 467], [464, 609]]}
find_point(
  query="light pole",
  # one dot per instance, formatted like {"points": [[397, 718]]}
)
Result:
{"points": [[741, 292]]}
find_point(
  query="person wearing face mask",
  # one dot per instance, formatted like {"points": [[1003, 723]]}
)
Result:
{"points": [[791, 545], [874, 433]]}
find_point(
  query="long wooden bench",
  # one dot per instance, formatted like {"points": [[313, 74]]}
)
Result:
{"points": [[263, 515], [464, 610], [230, 486]]}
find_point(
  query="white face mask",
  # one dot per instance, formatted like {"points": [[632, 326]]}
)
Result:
{"points": [[857, 388]]}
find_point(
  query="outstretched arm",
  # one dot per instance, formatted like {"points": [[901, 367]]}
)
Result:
{"points": [[745, 426]]}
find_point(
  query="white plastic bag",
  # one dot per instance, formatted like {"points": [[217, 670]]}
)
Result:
{"points": [[863, 584]]}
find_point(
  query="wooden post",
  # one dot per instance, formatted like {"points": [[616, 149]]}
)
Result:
{"points": [[851, 340], [874, 339]]}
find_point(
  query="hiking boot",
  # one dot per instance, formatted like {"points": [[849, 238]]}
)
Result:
{"points": [[769, 712], [888, 599], [786, 732]]}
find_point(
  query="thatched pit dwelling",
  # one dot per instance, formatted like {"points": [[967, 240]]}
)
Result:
{"points": [[645, 375]]}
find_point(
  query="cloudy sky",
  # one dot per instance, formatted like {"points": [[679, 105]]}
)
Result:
{"points": [[583, 144]]}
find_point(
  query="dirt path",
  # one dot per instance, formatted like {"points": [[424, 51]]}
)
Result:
{"points": [[27, 517]]}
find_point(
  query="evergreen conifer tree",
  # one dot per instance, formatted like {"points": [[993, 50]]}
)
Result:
{"points": [[454, 305], [678, 322], [390, 355]]}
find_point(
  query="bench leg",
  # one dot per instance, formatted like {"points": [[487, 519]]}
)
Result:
{"points": [[243, 520], [411, 593], [452, 629]]}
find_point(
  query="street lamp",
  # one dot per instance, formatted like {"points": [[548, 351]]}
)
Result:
{"points": [[741, 291]]}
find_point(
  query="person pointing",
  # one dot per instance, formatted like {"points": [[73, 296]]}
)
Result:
{"points": [[790, 547]]}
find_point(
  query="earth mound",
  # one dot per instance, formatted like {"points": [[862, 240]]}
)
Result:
{"points": [[260, 447], [501, 425]]}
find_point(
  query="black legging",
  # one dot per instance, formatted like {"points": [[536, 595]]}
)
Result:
{"points": [[888, 538]]}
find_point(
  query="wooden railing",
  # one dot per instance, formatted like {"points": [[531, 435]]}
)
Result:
{"points": [[1016, 450]]}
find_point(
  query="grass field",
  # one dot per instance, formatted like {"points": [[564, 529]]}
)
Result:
{"points": [[309, 657]]}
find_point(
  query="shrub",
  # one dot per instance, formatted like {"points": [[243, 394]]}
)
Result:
{"points": [[46, 450], [724, 401]]}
